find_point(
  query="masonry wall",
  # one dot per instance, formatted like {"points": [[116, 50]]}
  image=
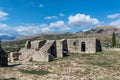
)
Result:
{"points": [[47, 50], [74, 45], [59, 48], [33, 55], [37, 44]]}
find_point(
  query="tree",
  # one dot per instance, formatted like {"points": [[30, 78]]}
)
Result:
{"points": [[113, 39]]}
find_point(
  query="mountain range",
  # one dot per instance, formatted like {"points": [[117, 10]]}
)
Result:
{"points": [[103, 33]]}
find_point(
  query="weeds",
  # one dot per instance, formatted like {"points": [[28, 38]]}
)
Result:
{"points": [[37, 72], [9, 79]]}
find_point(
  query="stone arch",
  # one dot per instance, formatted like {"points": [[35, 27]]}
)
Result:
{"points": [[83, 46]]}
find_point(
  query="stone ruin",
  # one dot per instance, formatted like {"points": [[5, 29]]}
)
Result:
{"points": [[3, 57], [48, 50], [13, 56]]}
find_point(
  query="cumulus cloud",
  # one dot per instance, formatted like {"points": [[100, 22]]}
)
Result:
{"points": [[76, 21], [26, 30], [45, 28], [50, 17], [3, 15], [115, 23], [60, 25], [113, 16], [23, 30], [6, 30], [82, 20]]}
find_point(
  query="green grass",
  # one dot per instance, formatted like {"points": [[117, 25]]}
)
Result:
{"points": [[8, 79], [107, 59], [37, 72]]}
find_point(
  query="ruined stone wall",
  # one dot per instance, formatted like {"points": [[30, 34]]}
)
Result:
{"points": [[39, 51], [33, 55], [90, 44], [62, 48], [75, 45], [52, 50], [59, 48], [47, 50], [14, 56], [37, 44]]}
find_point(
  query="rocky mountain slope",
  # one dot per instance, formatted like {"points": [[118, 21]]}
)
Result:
{"points": [[103, 33]]}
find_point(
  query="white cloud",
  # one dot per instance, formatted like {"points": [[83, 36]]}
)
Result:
{"points": [[3, 15], [30, 29], [61, 14], [115, 23], [27, 30], [3, 25], [41, 5], [113, 16], [60, 25], [46, 29], [5, 34], [23, 30], [6, 30], [82, 20], [79, 20], [50, 17], [57, 24]]}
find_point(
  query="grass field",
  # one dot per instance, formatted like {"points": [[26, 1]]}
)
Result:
{"points": [[99, 66]]}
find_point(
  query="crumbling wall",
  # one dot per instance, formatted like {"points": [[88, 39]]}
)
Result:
{"points": [[75, 45], [37, 44], [47, 50]]}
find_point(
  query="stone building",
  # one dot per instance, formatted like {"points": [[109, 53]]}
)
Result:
{"points": [[3, 57], [83, 45], [13, 56], [44, 50], [48, 50]]}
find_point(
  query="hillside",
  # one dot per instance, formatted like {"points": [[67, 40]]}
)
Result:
{"points": [[103, 33]]}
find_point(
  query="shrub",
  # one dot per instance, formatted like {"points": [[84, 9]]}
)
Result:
{"points": [[37, 72]]}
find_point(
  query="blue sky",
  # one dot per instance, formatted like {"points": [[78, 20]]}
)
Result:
{"points": [[28, 17]]}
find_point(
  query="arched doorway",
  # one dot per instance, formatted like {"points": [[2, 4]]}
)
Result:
{"points": [[82, 46]]}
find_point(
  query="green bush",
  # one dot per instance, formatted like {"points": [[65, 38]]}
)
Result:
{"points": [[9, 79], [37, 72]]}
